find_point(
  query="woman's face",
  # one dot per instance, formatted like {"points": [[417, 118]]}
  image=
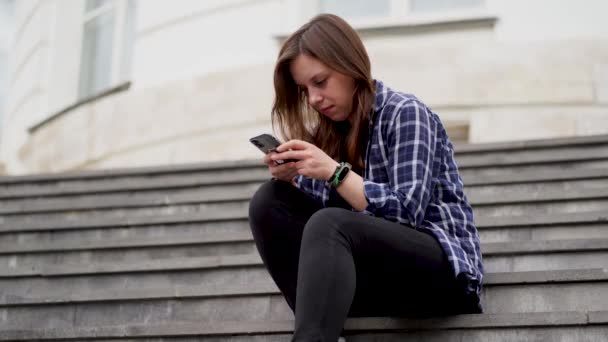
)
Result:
{"points": [[328, 91]]}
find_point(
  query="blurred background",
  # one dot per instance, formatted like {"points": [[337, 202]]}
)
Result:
{"points": [[90, 84]]}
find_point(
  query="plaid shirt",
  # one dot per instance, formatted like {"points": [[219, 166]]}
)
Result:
{"points": [[411, 177]]}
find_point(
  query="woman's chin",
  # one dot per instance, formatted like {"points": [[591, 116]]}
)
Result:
{"points": [[338, 117], [333, 115]]}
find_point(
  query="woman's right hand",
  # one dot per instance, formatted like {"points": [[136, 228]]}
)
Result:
{"points": [[285, 172]]}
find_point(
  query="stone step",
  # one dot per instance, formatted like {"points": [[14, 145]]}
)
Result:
{"points": [[139, 249], [205, 194], [533, 156], [587, 326], [566, 290], [488, 160], [590, 226], [241, 242], [125, 254], [125, 221], [590, 230], [132, 172], [63, 281], [564, 204], [86, 235], [509, 193], [532, 144], [533, 174], [222, 217], [198, 206], [60, 280], [117, 245], [511, 204], [135, 256], [170, 179], [215, 237], [211, 272], [177, 182]]}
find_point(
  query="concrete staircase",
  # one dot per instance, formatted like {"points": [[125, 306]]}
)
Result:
{"points": [[165, 253]]}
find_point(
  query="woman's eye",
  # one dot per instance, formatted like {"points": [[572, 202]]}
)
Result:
{"points": [[321, 82]]}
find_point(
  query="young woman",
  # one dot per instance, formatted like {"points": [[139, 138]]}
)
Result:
{"points": [[371, 219]]}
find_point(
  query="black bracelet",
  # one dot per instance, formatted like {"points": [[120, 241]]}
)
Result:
{"points": [[340, 174]]}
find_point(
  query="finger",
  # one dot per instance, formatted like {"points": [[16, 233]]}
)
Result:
{"points": [[294, 144], [299, 154], [284, 165], [301, 164], [272, 161], [282, 168], [286, 174], [291, 173], [302, 168]]}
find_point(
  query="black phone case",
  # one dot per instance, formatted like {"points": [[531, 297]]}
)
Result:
{"points": [[265, 142]]}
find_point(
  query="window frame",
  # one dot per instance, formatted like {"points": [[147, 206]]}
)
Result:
{"points": [[400, 15], [126, 12], [118, 72]]}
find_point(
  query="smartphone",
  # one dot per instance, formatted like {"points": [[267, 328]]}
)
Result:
{"points": [[268, 143]]}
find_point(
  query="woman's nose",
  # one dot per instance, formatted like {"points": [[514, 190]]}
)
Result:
{"points": [[314, 98]]}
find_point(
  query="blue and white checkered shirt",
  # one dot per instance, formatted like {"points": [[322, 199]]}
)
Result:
{"points": [[411, 177]]}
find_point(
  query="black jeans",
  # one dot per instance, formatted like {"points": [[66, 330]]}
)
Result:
{"points": [[332, 263]]}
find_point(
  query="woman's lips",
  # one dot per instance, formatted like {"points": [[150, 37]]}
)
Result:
{"points": [[326, 109]]}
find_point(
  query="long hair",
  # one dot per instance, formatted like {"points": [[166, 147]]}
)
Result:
{"points": [[334, 42]]}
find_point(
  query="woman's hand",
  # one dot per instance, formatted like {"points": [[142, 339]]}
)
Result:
{"points": [[285, 172], [312, 161]]}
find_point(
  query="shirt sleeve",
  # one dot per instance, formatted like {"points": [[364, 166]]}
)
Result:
{"points": [[410, 141], [302, 183], [308, 186]]}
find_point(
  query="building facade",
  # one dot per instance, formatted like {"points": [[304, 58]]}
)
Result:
{"points": [[6, 35], [122, 83]]}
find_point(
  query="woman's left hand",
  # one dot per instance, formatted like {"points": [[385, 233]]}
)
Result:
{"points": [[312, 161]]}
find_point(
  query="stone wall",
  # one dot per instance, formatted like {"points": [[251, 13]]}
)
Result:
{"points": [[511, 72], [202, 119], [210, 118]]}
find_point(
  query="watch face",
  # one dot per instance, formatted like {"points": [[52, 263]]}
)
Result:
{"points": [[343, 173]]}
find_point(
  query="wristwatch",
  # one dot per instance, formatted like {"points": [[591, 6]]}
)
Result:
{"points": [[340, 173]]}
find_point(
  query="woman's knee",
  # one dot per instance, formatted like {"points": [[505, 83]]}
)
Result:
{"points": [[267, 196], [327, 222], [259, 203]]}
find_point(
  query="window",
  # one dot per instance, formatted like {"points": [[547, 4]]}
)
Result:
{"points": [[356, 8], [442, 5], [107, 41], [394, 10]]}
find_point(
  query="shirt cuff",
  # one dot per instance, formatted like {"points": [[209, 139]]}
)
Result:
{"points": [[375, 193]]}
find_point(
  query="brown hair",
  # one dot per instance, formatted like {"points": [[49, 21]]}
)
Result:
{"points": [[334, 42]]}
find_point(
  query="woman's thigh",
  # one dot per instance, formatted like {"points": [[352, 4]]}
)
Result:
{"points": [[400, 271]]}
